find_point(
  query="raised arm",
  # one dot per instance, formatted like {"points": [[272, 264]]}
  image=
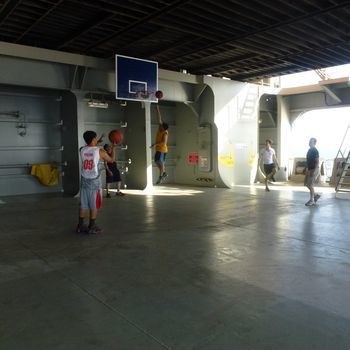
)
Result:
{"points": [[100, 140], [159, 117]]}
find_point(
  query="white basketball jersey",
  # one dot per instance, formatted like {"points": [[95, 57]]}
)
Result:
{"points": [[267, 155], [90, 157]]}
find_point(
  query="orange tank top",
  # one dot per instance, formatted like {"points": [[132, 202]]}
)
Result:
{"points": [[159, 139]]}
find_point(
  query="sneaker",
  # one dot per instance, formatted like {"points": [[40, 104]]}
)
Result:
{"points": [[94, 230], [120, 193], [159, 180], [267, 189], [310, 203], [82, 228], [108, 195], [317, 197], [164, 175]]}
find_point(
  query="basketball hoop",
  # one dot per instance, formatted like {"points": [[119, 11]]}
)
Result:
{"points": [[148, 95]]}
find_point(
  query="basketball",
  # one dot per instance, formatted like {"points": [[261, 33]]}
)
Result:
{"points": [[116, 137], [159, 94]]}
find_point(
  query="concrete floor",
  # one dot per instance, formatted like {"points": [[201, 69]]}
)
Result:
{"points": [[184, 268]]}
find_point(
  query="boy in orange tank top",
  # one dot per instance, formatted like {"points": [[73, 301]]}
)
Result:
{"points": [[161, 147]]}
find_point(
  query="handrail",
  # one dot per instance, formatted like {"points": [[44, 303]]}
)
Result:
{"points": [[340, 148], [122, 124], [27, 165], [30, 148], [15, 114], [53, 122]]}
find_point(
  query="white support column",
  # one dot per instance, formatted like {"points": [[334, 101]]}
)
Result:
{"points": [[147, 106]]}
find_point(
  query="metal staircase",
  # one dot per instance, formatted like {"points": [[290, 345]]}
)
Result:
{"points": [[251, 102], [342, 163]]}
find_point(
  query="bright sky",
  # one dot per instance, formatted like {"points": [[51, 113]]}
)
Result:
{"points": [[311, 77], [328, 126]]}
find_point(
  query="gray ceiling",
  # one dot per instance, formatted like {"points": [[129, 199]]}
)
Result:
{"points": [[243, 40]]}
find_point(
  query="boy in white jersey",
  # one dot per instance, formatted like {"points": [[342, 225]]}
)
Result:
{"points": [[268, 156], [91, 186]]}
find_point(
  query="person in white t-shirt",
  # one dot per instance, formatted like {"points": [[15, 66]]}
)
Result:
{"points": [[91, 187], [268, 155]]}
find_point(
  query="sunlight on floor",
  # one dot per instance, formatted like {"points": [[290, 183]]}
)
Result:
{"points": [[163, 191], [288, 187], [184, 191]]}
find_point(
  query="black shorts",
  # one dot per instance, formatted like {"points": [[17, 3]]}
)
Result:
{"points": [[115, 177], [269, 168]]}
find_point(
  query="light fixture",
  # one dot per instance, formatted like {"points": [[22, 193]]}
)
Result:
{"points": [[97, 104]]}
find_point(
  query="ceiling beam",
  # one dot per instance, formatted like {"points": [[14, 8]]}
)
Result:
{"points": [[173, 45], [39, 54], [331, 93], [245, 21], [38, 20], [267, 28], [7, 9], [317, 60], [134, 25], [263, 72], [100, 19], [217, 64]]}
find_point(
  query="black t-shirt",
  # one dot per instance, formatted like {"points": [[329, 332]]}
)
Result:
{"points": [[312, 155]]}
